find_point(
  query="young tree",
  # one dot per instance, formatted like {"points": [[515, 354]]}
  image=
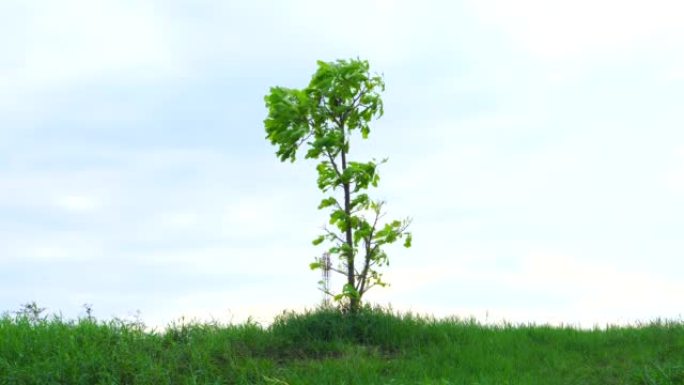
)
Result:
{"points": [[342, 98]]}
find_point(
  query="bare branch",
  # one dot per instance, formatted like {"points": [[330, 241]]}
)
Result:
{"points": [[372, 285], [337, 237], [338, 271], [303, 140]]}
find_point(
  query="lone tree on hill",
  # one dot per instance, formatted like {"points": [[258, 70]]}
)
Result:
{"points": [[342, 97]]}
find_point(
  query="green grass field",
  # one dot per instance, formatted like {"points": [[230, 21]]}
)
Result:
{"points": [[326, 347]]}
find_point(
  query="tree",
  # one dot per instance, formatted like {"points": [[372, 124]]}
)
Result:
{"points": [[342, 98]]}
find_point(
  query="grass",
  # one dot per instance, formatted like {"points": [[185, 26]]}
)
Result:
{"points": [[324, 346]]}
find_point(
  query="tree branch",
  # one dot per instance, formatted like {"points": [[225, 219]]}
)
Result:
{"points": [[337, 237], [332, 161], [372, 285], [338, 271], [369, 251], [303, 140], [346, 113]]}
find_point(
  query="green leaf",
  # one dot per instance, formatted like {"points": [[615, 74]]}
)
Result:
{"points": [[360, 200], [328, 202], [362, 232], [327, 176], [350, 291], [338, 216], [315, 265], [318, 240], [287, 123], [346, 251], [407, 242]]}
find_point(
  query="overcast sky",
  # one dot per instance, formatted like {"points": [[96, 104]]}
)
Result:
{"points": [[538, 146]]}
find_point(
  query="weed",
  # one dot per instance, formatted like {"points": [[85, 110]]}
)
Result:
{"points": [[326, 346]]}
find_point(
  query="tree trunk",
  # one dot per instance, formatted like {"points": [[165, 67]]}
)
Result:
{"points": [[354, 301]]}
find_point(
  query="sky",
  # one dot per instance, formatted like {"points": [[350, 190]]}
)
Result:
{"points": [[537, 145]]}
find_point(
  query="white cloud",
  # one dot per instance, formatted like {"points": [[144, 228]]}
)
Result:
{"points": [[231, 306], [386, 32], [495, 175], [540, 287], [603, 292], [78, 203], [49, 246], [674, 177], [563, 29], [676, 74], [50, 253], [79, 40], [264, 214], [180, 220]]}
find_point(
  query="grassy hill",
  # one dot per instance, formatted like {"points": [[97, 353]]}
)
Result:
{"points": [[325, 347]]}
